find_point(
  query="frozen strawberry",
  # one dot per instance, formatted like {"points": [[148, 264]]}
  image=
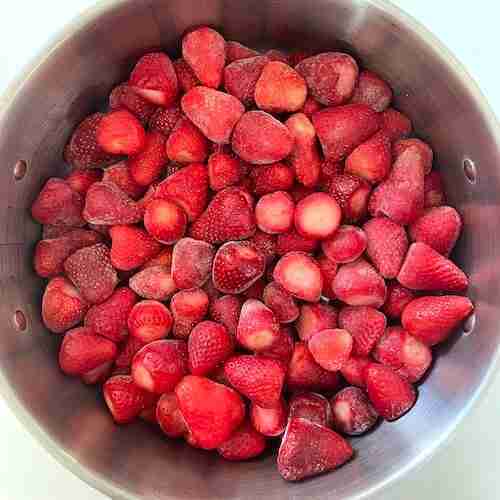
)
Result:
{"points": [[205, 52], [304, 158], [304, 374], [165, 221], [266, 243], [186, 143], [274, 212], [309, 449], [107, 204], [58, 204], [391, 395], [352, 412], [300, 275], [433, 319], [121, 133], [433, 190], [124, 399], [228, 217], [269, 422], [439, 228], [159, 366], [154, 79], [119, 174], [387, 245], [312, 407], [280, 302], [328, 271], [188, 307], [330, 77], [317, 216], [186, 79], [154, 282], [245, 443], [395, 124], [351, 193], [346, 245], [62, 305], [260, 138], [274, 177], [125, 97], [331, 348], [169, 416], [402, 145], [398, 297], [223, 170], [236, 266], [212, 411], [91, 271], [130, 347], [146, 167], [109, 318], [372, 91], [426, 269], [353, 370], [236, 51], [241, 76], [81, 180], [83, 150], [163, 258], [372, 159], [163, 120], [365, 324], [188, 188], [226, 310], [359, 284], [209, 344], [149, 320], [330, 168], [282, 348], [311, 106], [82, 350]]}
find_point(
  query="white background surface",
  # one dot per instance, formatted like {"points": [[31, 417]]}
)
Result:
{"points": [[469, 467]]}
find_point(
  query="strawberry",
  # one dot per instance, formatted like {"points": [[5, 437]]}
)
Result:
{"points": [[226, 310], [282, 347], [258, 378], [164, 120], [63, 307], [311, 106], [154, 79], [236, 51], [149, 320], [352, 412], [359, 284], [274, 177], [387, 245], [237, 265], [188, 307], [165, 221], [433, 319], [131, 247], [154, 282], [169, 416], [185, 75], [107, 204], [120, 133], [109, 318], [186, 143], [398, 297], [245, 443], [351, 193], [188, 187], [312, 407], [258, 328], [331, 348], [205, 51], [212, 411], [353, 370], [82, 350], [81, 180], [299, 275], [330, 168], [146, 166], [227, 217], [159, 366], [274, 212], [124, 399], [119, 174], [308, 449], [280, 302], [433, 190], [91, 271], [224, 170], [208, 345], [129, 348], [365, 324], [400, 146], [58, 204], [314, 318], [395, 124], [191, 263], [391, 395], [125, 97], [372, 90], [439, 228], [270, 422], [317, 216], [347, 244], [426, 269], [265, 243], [241, 76]]}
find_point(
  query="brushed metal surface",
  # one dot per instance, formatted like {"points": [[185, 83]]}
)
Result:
{"points": [[73, 76]]}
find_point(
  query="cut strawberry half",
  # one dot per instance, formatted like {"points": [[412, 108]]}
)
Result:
{"points": [[311, 406], [121, 133], [331, 348], [317, 216]]}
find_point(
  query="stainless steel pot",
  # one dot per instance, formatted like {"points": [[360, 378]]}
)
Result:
{"points": [[73, 76]]}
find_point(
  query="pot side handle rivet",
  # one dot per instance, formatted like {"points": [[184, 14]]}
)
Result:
{"points": [[470, 170], [20, 169], [469, 324], [19, 321]]}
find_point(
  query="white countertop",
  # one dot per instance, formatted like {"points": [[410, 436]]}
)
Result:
{"points": [[469, 467]]}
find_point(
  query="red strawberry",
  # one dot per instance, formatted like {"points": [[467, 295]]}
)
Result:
{"points": [[282, 347], [353, 370], [208, 345], [433, 190], [433, 319], [351, 193], [120, 133], [237, 265], [236, 51], [124, 399], [266, 243], [317, 216], [154, 282], [280, 302], [391, 395], [185, 75], [125, 97], [330, 168], [81, 180], [244, 443], [58, 204], [328, 271], [274, 177], [395, 124], [294, 242], [149, 320], [107, 204], [426, 269], [191, 263], [212, 411], [154, 79], [258, 378], [352, 412], [314, 318], [223, 170], [169, 416], [146, 166], [372, 90], [109, 318], [311, 106], [159, 366], [226, 310], [130, 347], [119, 174], [312, 407], [186, 143], [359, 284], [269, 422], [365, 324], [228, 217], [91, 271], [331, 348], [188, 307], [62, 305], [165, 221], [399, 147], [163, 120], [274, 212], [387, 245], [131, 247], [308, 449], [258, 328], [188, 188], [398, 297], [346, 245], [82, 350]]}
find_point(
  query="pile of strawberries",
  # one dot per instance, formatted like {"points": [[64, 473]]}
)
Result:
{"points": [[249, 246]]}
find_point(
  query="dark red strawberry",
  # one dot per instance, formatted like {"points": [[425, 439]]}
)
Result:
{"points": [[124, 399]]}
